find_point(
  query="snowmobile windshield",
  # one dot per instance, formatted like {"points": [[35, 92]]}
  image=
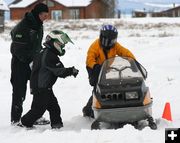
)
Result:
{"points": [[121, 68]]}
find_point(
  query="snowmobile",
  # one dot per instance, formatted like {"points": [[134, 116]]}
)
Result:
{"points": [[121, 95]]}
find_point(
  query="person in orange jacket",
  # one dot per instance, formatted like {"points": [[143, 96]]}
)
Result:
{"points": [[106, 46]]}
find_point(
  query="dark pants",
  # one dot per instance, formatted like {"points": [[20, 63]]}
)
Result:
{"points": [[43, 100], [93, 75], [20, 74], [89, 103], [93, 78]]}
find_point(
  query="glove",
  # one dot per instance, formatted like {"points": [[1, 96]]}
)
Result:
{"points": [[75, 71], [96, 69]]}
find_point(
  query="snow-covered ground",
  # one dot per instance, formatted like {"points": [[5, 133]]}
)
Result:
{"points": [[154, 42]]}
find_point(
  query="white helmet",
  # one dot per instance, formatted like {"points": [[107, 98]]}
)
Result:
{"points": [[58, 39]]}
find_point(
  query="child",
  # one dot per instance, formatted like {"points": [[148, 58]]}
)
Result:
{"points": [[104, 47], [47, 67]]}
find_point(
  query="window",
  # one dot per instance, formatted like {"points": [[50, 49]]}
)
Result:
{"points": [[56, 14], [74, 13], [49, 3]]}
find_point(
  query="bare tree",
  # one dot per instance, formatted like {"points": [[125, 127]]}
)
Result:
{"points": [[110, 8], [107, 9]]}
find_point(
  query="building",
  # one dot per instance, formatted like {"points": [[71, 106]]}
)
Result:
{"points": [[170, 12], [3, 8], [173, 12], [63, 9], [139, 13]]}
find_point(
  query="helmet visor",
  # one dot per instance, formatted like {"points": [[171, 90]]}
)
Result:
{"points": [[60, 47], [107, 43], [109, 34], [65, 38]]}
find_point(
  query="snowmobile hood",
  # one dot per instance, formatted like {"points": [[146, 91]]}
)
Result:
{"points": [[121, 71]]}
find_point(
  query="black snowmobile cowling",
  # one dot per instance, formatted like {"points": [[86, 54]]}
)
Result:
{"points": [[121, 94]]}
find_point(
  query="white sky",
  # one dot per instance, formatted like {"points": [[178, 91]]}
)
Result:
{"points": [[8, 1], [154, 42]]}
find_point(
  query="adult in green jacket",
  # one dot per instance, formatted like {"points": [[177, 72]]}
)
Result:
{"points": [[26, 43]]}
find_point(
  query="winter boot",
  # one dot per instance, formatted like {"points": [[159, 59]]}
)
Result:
{"points": [[42, 121], [20, 124], [57, 126], [13, 123], [88, 112]]}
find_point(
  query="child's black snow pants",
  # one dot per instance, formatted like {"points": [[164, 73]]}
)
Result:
{"points": [[43, 99]]}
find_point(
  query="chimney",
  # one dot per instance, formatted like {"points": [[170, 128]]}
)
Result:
{"points": [[174, 5]]}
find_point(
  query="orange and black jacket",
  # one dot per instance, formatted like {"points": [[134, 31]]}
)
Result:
{"points": [[96, 56]]}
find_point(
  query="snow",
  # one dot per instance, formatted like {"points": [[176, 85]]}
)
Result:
{"points": [[154, 42], [167, 6], [68, 3], [3, 5], [23, 3]]}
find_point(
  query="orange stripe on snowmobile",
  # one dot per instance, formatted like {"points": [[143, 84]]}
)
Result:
{"points": [[147, 98], [96, 103]]}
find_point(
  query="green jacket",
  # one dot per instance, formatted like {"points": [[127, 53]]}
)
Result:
{"points": [[27, 38]]}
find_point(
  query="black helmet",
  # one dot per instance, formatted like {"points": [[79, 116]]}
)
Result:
{"points": [[108, 36]]}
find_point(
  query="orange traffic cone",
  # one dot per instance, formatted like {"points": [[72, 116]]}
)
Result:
{"points": [[167, 112]]}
